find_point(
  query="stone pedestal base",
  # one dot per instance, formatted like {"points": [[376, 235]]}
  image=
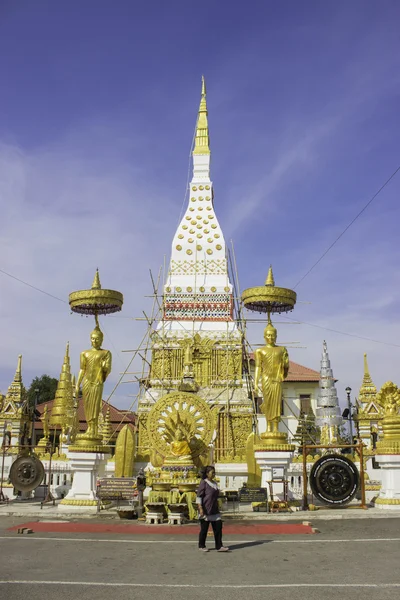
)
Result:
{"points": [[86, 468], [176, 518], [270, 462], [389, 495], [154, 518]]}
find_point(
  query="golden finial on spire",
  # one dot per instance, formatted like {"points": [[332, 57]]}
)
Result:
{"points": [[366, 370], [14, 393], [202, 140], [270, 277], [96, 285], [368, 389], [18, 372]]}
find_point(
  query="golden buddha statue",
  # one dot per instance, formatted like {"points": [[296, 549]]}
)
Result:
{"points": [[271, 367], [180, 452], [95, 366]]}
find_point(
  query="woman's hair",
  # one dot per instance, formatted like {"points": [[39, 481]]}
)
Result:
{"points": [[205, 470]]}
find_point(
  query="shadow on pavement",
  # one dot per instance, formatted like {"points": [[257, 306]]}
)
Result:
{"points": [[248, 544]]}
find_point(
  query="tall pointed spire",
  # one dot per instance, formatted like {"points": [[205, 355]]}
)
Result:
{"points": [[368, 389], [107, 430], [202, 140], [63, 399], [270, 277], [328, 411], [14, 393], [96, 285]]}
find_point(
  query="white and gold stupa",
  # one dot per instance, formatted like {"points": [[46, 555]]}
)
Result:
{"points": [[197, 346]]}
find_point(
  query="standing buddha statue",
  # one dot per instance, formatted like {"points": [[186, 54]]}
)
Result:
{"points": [[95, 366], [271, 368]]}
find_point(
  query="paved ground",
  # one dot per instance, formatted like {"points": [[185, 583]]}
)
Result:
{"points": [[355, 559]]}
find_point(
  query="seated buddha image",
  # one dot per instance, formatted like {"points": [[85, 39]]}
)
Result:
{"points": [[179, 450]]}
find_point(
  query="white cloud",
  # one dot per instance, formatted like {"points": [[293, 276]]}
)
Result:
{"points": [[65, 211]]}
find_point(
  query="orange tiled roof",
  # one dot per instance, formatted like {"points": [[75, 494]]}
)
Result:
{"points": [[298, 372], [118, 418]]}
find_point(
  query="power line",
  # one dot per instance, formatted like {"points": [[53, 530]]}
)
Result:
{"points": [[32, 286], [360, 337], [348, 226]]}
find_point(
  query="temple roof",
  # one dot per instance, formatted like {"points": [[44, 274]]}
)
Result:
{"points": [[298, 372], [118, 418]]}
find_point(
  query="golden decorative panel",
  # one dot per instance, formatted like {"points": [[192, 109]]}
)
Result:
{"points": [[216, 266], [185, 411]]}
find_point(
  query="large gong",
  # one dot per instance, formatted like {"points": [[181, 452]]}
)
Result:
{"points": [[334, 479], [26, 473]]}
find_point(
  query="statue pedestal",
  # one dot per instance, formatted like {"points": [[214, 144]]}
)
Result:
{"points": [[389, 495], [273, 465], [86, 468]]}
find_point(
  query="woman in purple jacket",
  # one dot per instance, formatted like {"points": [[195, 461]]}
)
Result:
{"points": [[207, 503]]}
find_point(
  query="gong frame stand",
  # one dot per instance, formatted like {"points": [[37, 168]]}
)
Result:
{"points": [[49, 496], [357, 447], [3, 497]]}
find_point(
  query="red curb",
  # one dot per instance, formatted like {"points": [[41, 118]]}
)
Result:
{"points": [[136, 529]]}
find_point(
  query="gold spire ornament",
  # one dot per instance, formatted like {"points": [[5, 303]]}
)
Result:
{"points": [[95, 364], [202, 139], [368, 389], [14, 411], [107, 430], [271, 361], [63, 398]]}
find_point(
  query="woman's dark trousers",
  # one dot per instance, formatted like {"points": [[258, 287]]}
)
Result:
{"points": [[217, 529]]}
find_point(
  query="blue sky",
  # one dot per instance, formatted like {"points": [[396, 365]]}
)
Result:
{"points": [[98, 103]]}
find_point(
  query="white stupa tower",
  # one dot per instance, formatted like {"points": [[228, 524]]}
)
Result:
{"points": [[197, 289], [197, 345], [328, 416]]}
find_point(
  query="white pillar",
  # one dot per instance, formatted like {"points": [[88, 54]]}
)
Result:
{"points": [[86, 468], [389, 495]]}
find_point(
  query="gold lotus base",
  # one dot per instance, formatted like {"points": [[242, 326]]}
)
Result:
{"points": [[73, 502], [388, 501], [275, 441], [84, 443]]}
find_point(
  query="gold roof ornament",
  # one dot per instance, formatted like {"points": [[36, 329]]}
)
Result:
{"points": [[96, 301], [269, 298], [202, 139], [270, 277], [63, 399], [368, 389], [13, 400], [107, 430]]}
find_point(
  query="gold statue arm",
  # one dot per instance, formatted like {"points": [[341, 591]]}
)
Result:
{"points": [[285, 363], [81, 373], [106, 365], [257, 372]]}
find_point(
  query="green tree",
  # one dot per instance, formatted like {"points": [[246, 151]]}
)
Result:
{"points": [[46, 387]]}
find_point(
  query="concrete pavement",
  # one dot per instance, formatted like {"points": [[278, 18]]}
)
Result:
{"points": [[355, 559]]}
